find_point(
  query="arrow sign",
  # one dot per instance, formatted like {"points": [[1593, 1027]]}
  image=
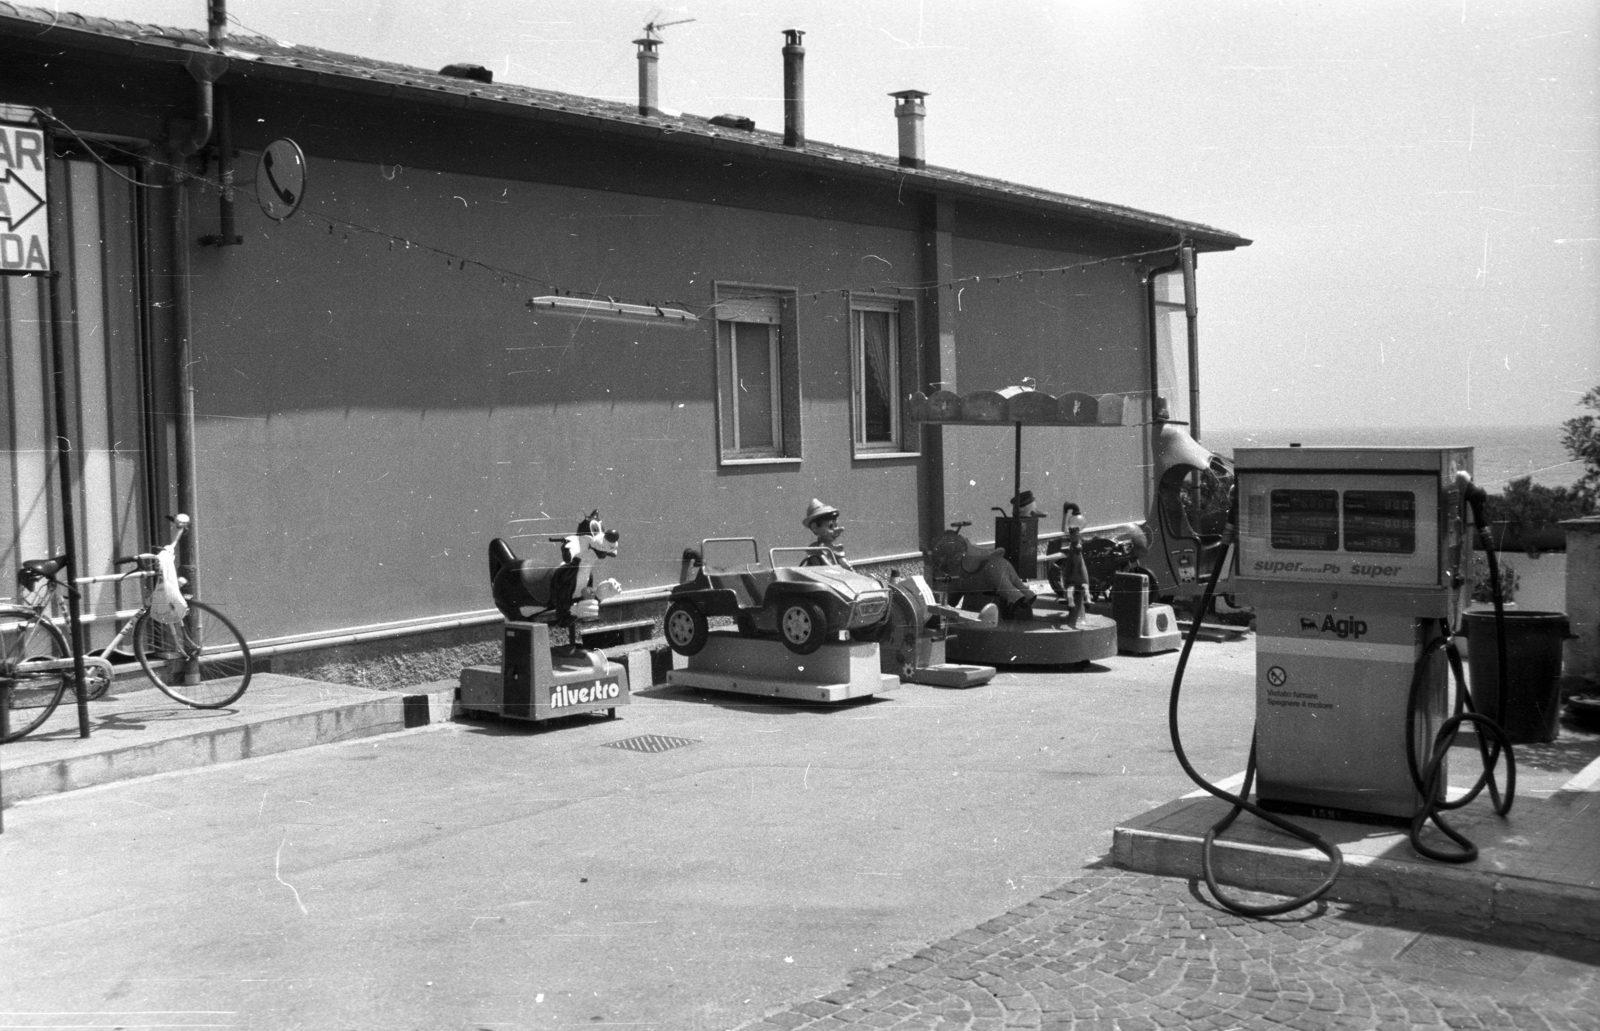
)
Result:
{"points": [[24, 195], [18, 201]]}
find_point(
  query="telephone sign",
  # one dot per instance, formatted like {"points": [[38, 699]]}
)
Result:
{"points": [[24, 224]]}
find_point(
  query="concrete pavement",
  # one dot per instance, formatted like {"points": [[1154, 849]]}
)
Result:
{"points": [[748, 855]]}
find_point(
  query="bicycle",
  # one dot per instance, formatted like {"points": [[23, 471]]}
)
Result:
{"points": [[197, 657]]}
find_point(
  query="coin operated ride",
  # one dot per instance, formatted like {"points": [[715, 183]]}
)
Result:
{"points": [[1029, 631], [914, 646], [802, 632], [1178, 554], [1357, 562], [1041, 631], [536, 680], [1107, 566]]}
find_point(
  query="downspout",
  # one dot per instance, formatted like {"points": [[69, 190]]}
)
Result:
{"points": [[206, 68], [216, 114], [227, 235]]}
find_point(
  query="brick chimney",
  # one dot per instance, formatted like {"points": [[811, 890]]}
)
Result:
{"points": [[908, 110], [649, 95], [794, 89]]}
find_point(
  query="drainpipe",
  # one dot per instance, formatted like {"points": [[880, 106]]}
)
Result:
{"points": [[227, 234], [794, 89], [206, 68]]}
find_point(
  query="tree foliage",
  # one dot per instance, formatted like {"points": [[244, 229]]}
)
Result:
{"points": [[1581, 437], [1527, 505]]}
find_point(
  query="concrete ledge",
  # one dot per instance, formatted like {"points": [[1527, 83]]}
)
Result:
{"points": [[144, 734], [1507, 884]]}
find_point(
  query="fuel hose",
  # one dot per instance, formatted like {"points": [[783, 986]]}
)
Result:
{"points": [[1427, 779], [1240, 801]]}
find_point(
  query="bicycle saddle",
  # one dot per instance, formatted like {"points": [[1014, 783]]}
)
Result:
{"points": [[44, 568]]}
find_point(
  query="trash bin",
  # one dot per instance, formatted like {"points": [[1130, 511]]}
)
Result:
{"points": [[1533, 671]]}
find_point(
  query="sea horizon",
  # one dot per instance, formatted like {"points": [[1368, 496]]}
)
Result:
{"points": [[1501, 453]]}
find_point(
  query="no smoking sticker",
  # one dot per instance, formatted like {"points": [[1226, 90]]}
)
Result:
{"points": [[1277, 676]]}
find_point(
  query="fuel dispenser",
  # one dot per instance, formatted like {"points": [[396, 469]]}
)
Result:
{"points": [[1350, 557], [1357, 563]]}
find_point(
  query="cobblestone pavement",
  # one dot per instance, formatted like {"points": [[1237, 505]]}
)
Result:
{"points": [[1135, 952]]}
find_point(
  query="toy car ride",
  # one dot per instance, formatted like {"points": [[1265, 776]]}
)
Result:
{"points": [[801, 605]]}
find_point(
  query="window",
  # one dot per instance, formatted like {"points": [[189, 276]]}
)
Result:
{"points": [[883, 371], [1172, 345], [758, 376]]}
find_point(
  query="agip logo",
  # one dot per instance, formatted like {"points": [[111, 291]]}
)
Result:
{"points": [[1345, 628]]}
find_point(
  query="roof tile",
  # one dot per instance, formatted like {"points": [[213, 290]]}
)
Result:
{"points": [[265, 53]]}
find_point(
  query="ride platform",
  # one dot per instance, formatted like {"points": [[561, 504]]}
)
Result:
{"points": [[1044, 640], [836, 671], [536, 682]]}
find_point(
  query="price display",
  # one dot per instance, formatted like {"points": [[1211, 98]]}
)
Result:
{"points": [[1305, 520], [1380, 521]]}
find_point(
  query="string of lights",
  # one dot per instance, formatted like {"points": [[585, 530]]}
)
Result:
{"points": [[460, 262]]}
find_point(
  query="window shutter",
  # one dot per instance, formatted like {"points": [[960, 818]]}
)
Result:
{"points": [[766, 310]]}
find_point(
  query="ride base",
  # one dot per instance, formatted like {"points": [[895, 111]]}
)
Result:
{"points": [[534, 683], [1044, 640], [928, 665], [759, 666]]}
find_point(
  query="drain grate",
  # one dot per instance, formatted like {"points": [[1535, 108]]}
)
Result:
{"points": [[651, 743], [1469, 957]]}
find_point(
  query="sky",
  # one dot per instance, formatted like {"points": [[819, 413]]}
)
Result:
{"points": [[1419, 177]]}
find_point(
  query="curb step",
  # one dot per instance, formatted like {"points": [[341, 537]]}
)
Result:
{"points": [[385, 712]]}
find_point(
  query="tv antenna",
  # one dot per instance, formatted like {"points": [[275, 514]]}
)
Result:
{"points": [[653, 28]]}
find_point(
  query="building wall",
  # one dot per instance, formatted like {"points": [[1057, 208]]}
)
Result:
{"points": [[370, 414], [1082, 330]]}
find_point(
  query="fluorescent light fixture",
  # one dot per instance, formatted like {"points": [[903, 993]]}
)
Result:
{"points": [[607, 309]]}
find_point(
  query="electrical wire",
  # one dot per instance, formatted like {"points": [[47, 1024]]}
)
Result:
{"points": [[94, 152], [461, 261]]}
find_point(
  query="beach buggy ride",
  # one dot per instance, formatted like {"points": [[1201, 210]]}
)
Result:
{"points": [[801, 605]]}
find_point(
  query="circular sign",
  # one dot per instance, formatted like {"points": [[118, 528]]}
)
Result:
{"points": [[1277, 676], [281, 179]]}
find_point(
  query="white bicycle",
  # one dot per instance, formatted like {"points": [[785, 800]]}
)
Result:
{"points": [[198, 657]]}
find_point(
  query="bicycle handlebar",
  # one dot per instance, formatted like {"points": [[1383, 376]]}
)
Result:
{"points": [[180, 520]]}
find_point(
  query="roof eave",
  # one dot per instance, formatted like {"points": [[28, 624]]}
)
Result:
{"points": [[655, 129]]}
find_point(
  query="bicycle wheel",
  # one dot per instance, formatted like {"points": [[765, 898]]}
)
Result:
{"points": [[32, 696], [206, 664]]}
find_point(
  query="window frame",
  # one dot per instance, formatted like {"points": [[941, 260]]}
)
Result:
{"points": [[1172, 379], [906, 357], [785, 354]]}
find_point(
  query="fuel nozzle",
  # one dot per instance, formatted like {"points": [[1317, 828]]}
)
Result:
{"points": [[1474, 496], [1471, 492]]}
